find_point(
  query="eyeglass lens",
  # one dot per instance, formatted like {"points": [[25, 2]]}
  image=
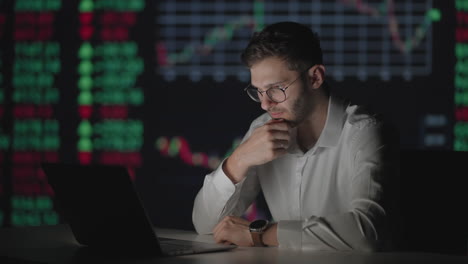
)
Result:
{"points": [[275, 94]]}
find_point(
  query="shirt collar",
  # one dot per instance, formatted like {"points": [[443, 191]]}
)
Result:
{"points": [[334, 124], [332, 130]]}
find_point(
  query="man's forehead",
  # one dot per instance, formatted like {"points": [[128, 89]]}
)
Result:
{"points": [[270, 63], [268, 73]]}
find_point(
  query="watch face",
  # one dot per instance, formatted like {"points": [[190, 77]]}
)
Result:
{"points": [[258, 224]]}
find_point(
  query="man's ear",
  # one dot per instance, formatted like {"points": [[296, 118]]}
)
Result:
{"points": [[316, 76]]}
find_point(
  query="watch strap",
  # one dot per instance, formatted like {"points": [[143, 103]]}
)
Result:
{"points": [[257, 239]]}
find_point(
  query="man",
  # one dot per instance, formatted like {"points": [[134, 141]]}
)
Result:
{"points": [[318, 160]]}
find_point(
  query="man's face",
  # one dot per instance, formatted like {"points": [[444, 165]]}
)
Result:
{"points": [[273, 72]]}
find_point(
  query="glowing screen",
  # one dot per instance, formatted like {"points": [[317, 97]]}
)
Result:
{"points": [[157, 86]]}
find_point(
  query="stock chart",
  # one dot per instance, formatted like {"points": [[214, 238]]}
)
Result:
{"points": [[157, 86]]}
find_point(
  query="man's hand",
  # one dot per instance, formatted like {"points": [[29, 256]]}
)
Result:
{"points": [[266, 143], [233, 230]]}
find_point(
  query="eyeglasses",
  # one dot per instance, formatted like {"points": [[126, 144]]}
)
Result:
{"points": [[276, 93]]}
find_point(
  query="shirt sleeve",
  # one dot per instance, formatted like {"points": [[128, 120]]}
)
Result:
{"points": [[362, 227], [220, 197]]}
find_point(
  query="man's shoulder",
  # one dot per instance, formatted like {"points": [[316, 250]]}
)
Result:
{"points": [[360, 117], [364, 125]]}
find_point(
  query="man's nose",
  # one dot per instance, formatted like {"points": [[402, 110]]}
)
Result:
{"points": [[266, 102]]}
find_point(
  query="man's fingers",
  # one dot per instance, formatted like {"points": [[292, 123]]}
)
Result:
{"points": [[281, 144], [282, 126], [273, 120], [232, 230], [218, 227], [282, 135], [278, 124], [222, 223], [218, 239], [216, 230], [279, 152], [219, 231], [218, 236]]}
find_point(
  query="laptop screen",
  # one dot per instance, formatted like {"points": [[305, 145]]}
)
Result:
{"points": [[100, 204]]}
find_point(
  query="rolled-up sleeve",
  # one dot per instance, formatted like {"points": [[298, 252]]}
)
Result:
{"points": [[219, 197]]}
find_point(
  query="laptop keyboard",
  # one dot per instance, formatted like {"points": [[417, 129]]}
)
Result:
{"points": [[175, 247], [171, 247]]}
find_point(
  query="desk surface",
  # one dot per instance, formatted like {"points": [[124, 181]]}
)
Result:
{"points": [[56, 244]]}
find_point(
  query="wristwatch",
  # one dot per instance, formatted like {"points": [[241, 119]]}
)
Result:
{"points": [[257, 228]]}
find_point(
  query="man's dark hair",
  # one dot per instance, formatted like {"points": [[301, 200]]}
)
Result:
{"points": [[293, 42]]}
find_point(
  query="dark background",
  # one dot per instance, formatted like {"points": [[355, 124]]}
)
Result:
{"points": [[209, 114]]}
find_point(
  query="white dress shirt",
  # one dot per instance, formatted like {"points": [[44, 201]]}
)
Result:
{"points": [[328, 198]]}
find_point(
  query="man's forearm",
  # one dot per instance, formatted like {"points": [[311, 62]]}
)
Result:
{"points": [[211, 200], [234, 170]]}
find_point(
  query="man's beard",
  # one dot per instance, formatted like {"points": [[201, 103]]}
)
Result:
{"points": [[300, 109]]}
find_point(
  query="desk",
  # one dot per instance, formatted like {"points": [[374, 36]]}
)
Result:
{"points": [[56, 244]]}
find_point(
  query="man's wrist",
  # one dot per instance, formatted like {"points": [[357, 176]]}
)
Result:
{"points": [[233, 169], [257, 229], [270, 236]]}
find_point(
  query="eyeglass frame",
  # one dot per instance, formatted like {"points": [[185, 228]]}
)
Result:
{"points": [[283, 89]]}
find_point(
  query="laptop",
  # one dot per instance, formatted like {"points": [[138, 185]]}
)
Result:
{"points": [[105, 213]]}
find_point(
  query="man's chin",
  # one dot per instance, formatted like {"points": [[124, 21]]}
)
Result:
{"points": [[292, 123]]}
